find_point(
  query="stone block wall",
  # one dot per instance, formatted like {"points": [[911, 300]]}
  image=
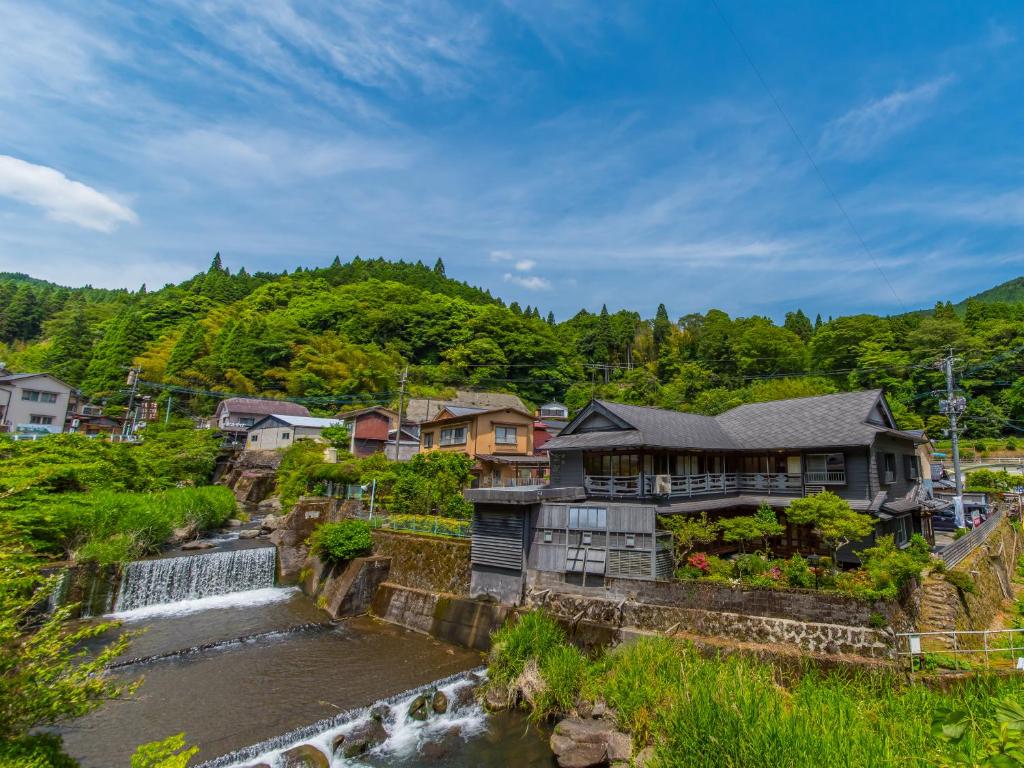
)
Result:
{"points": [[809, 636], [430, 563], [461, 621]]}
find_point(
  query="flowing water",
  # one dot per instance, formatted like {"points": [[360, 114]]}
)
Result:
{"points": [[234, 662], [173, 580]]}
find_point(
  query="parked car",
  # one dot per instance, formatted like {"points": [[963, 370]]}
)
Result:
{"points": [[944, 520]]}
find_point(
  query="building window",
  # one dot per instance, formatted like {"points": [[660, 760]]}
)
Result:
{"points": [[505, 435], [286, 435], [35, 396], [630, 540], [253, 438], [826, 468], [454, 436], [428, 439], [548, 536], [588, 517], [912, 466], [903, 527], [35, 419], [888, 468], [587, 537]]}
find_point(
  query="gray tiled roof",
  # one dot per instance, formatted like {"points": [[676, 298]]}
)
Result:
{"points": [[825, 421], [261, 407], [805, 422]]}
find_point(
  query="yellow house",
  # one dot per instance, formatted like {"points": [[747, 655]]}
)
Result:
{"points": [[500, 439]]}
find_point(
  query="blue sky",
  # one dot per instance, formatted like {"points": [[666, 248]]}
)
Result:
{"points": [[562, 154]]}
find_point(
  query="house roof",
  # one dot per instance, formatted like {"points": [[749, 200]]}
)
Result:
{"points": [[420, 409], [7, 377], [295, 421], [355, 413], [260, 406], [461, 412], [824, 421]]}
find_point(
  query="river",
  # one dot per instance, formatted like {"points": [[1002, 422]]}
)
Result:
{"points": [[248, 673]]}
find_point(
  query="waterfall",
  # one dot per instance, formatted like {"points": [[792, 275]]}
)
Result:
{"points": [[155, 582]]}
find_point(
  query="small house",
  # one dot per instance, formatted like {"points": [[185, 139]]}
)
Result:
{"points": [[282, 430], [235, 415], [32, 404]]}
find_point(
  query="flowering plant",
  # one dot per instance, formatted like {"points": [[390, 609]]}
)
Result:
{"points": [[700, 562]]}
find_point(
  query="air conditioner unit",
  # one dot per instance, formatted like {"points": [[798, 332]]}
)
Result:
{"points": [[662, 485]]}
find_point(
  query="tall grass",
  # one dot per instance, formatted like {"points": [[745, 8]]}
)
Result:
{"points": [[108, 526], [734, 712]]}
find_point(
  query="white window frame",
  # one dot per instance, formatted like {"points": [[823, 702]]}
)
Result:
{"points": [[41, 420], [428, 439], [286, 435], [501, 435], [455, 436]]}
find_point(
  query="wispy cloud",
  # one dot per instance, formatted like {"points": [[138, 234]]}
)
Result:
{"points": [[530, 282], [525, 265], [866, 128], [61, 198]]}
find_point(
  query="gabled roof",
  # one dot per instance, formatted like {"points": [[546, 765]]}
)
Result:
{"points": [[421, 409], [295, 421], [845, 419], [8, 378], [260, 406], [453, 412], [357, 412]]}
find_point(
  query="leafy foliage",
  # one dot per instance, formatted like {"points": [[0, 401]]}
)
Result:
{"points": [[834, 521], [341, 541], [688, 532], [172, 752]]}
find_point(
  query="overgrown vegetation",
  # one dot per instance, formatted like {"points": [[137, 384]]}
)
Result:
{"points": [[734, 711], [341, 541]]}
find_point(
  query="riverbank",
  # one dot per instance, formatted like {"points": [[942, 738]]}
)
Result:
{"points": [[682, 708]]}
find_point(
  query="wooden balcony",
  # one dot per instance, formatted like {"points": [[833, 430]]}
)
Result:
{"points": [[686, 486], [834, 477]]}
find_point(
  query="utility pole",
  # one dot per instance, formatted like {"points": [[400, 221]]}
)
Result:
{"points": [[133, 381], [401, 407], [953, 406]]}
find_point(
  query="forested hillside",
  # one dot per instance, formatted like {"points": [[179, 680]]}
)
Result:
{"points": [[342, 334]]}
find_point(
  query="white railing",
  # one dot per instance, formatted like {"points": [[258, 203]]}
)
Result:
{"points": [[833, 477], [693, 485], [1002, 647]]}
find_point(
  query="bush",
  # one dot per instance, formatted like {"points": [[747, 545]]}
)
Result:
{"points": [[877, 620], [534, 636], [1011, 444], [962, 581], [341, 541], [564, 670]]}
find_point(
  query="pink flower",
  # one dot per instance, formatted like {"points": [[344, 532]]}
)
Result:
{"points": [[700, 561]]}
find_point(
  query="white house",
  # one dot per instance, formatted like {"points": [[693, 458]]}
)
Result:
{"points": [[235, 415], [281, 430], [32, 403]]}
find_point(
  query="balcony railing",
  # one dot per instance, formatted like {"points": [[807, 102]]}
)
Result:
{"points": [[676, 486], [832, 477], [512, 482]]}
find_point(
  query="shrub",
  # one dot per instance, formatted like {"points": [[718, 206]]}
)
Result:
{"points": [[877, 620], [533, 636], [344, 540], [1011, 444], [890, 567], [980, 447], [962, 581], [798, 572], [564, 669]]}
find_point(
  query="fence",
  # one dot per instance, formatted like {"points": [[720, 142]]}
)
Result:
{"points": [[962, 547], [999, 647], [421, 524]]}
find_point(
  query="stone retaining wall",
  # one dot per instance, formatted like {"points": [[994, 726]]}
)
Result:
{"points": [[793, 604], [431, 563], [452, 619], [813, 637]]}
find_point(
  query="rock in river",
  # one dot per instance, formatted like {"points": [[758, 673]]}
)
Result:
{"points": [[585, 743], [250, 533], [439, 702], [200, 544], [419, 709], [360, 739], [304, 756]]}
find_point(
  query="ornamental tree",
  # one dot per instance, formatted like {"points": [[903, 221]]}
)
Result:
{"points": [[833, 520], [760, 526], [687, 532]]}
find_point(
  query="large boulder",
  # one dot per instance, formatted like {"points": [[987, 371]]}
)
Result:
{"points": [[439, 702], [364, 737], [198, 544], [420, 708], [582, 743], [181, 535], [270, 506], [442, 746], [304, 756]]}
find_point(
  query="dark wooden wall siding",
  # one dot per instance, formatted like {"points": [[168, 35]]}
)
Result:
{"points": [[886, 444], [498, 539], [858, 476], [566, 469]]}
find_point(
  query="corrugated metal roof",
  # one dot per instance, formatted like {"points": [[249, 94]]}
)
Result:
{"points": [[297, 421]]}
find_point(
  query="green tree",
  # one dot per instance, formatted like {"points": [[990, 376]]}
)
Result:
{"points": [[439, 268], [799, 324], [46, 676], [337, 436], [662, 328], [688, 532], [832, 518], [172, 752], [760, 526]]}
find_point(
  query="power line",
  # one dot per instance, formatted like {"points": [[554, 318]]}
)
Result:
{"points": [[807, 153]]}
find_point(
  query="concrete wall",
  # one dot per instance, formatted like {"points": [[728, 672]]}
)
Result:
{"points": [[425, 562], [454, 620], [19, 412]]}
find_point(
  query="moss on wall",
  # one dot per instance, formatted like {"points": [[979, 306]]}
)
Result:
{"points": [[429, 563]]}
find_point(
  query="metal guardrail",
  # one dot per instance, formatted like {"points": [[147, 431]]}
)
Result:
{"points": [[1005, 644], [962, 547]]}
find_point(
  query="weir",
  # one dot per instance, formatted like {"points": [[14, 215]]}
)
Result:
{"points": [[154, 582]]}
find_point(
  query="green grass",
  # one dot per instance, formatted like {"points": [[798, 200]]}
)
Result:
{"points": [[734, 711]]}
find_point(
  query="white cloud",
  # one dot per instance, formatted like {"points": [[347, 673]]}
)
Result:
{"points": [[867, 127], [525, 265], [499, 256], [530, 282], [61, 198]]}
